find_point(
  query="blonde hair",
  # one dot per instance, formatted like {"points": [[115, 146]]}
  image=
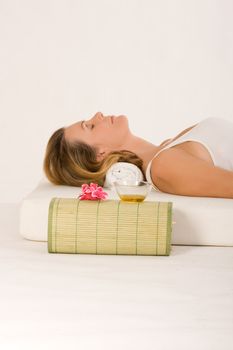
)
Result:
{"points": [[75, 163]]}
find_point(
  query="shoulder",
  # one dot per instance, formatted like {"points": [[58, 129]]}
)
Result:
{"points": [[160, 167], [174, 168], [181, 173], [168, 159]]}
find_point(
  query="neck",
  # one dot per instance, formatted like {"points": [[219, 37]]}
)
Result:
{"points": [[144, 149]]}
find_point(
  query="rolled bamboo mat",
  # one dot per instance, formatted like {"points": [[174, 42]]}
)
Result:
{"points": [[109, 227]]}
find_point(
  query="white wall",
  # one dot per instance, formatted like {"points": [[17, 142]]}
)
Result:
{"points": [[162, 63]]}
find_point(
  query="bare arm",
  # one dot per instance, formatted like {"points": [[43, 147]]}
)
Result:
{"points": [[180, 173]]}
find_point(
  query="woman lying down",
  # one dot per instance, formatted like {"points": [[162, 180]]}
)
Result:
{"points": [[196, 162]]}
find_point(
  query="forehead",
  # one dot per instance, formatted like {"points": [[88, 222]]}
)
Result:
{"points": [[73, 130]]}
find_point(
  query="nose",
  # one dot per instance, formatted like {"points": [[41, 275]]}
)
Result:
{"points": [[97, 116]]}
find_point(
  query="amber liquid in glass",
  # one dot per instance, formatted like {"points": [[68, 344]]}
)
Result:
{"points": [[132, 197]]}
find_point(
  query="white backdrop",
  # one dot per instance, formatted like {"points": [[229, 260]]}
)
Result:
{"points": [[164, 64]]}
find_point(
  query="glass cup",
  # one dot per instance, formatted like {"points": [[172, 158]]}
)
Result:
{"points": [[132, 191]]}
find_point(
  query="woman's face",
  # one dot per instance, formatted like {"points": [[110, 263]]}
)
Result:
{"points": [[106, 133]]}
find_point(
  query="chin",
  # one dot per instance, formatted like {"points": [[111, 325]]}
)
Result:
{"points": [[124, 120], [122, 116]]}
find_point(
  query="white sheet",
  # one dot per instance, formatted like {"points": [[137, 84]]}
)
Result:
{"points": [[199, 220], [58, 301]]}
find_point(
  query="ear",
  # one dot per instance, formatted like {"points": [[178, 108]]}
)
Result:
{"points": [[101, 154]]}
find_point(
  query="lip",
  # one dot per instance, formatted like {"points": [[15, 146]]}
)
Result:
{"points": [[112, 119]]}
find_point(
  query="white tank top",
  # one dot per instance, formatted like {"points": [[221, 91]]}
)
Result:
{"points": [[215, 134]]}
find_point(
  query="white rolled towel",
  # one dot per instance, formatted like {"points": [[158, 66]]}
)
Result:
{"points": [[123, 171]]}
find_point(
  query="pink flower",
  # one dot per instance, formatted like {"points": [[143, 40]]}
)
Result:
{"points": [[92, 192]]}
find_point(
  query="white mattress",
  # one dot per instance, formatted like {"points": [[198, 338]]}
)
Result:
{"points": [[198, 220]]}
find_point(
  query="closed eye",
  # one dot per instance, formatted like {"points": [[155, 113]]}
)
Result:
{"points": [[92, 125]]}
